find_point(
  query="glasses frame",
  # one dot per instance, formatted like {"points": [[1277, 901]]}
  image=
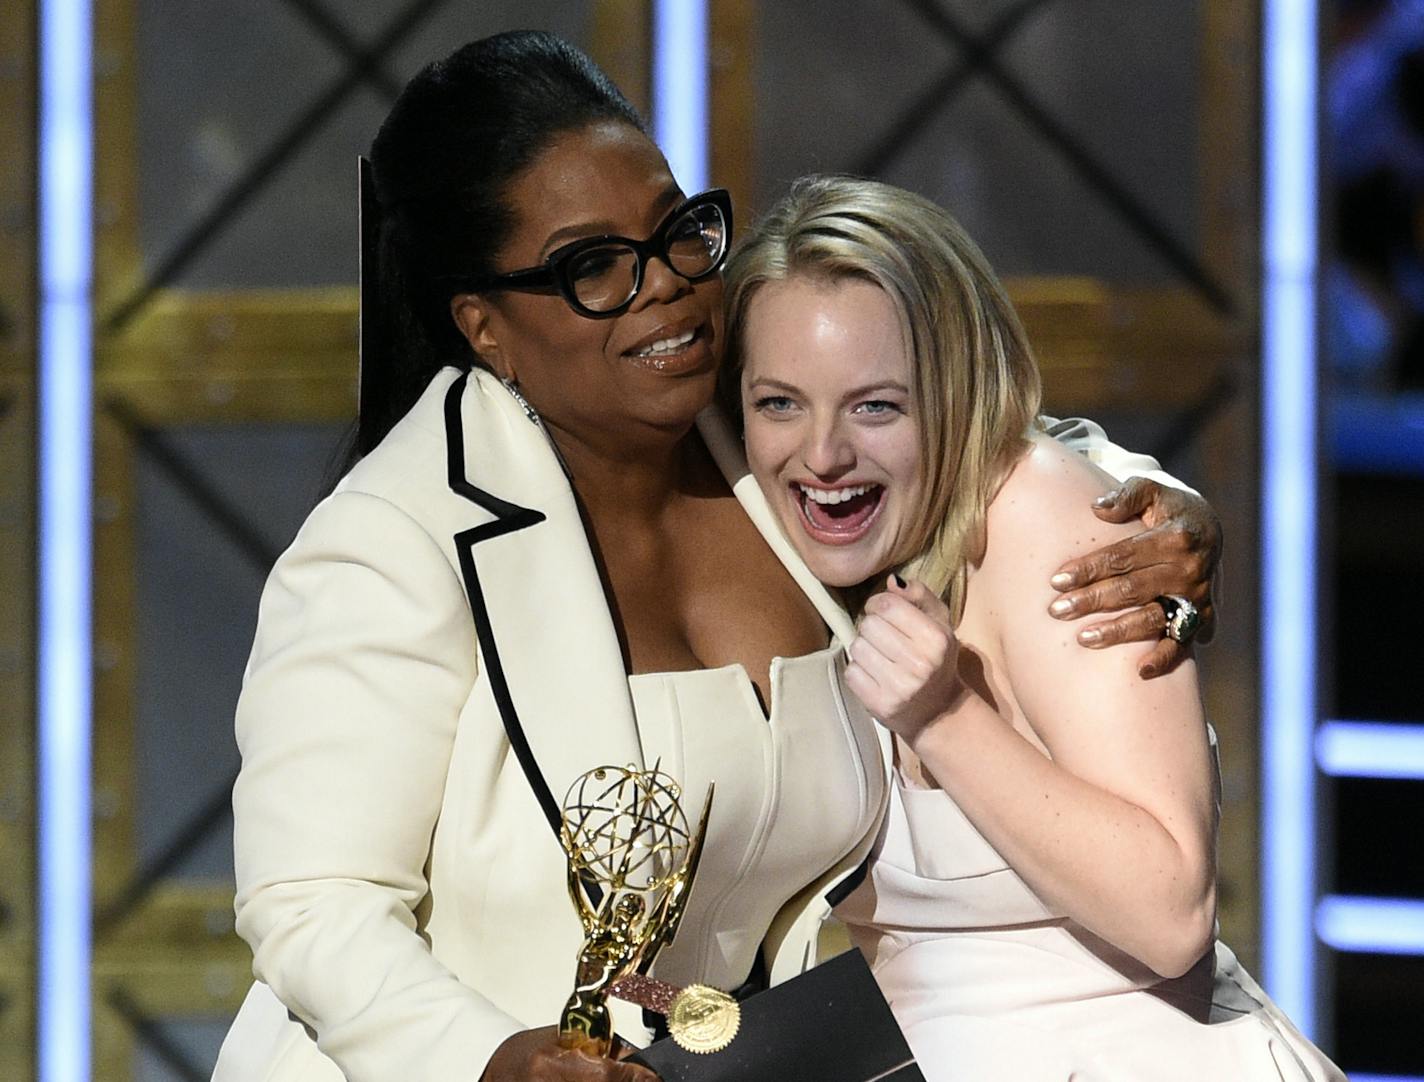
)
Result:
{"points": [[553, 273]]}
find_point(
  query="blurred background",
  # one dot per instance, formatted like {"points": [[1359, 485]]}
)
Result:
{"points": [[1108, 156]]}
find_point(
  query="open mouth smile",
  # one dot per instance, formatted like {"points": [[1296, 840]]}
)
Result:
{"points": [[673, 351], [663, 346], [838, 516]]}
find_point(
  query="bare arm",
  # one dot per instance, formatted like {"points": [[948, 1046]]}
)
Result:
{"points": [[1117, 828]]}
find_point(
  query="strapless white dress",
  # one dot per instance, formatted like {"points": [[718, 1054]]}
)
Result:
{"points": [[989, 983], [796, 791]]}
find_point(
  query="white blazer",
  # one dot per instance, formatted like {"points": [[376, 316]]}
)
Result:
{"points": [[398, 874], [434, 663]]}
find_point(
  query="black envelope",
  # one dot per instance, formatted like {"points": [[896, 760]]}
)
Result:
{"points": [[830, 1024]]}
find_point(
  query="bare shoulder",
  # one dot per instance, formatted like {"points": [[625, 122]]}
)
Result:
{"points": [[1077, 701], [1043, 513]]}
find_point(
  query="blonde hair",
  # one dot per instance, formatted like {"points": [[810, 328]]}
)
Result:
{"points": [[975, 386]]}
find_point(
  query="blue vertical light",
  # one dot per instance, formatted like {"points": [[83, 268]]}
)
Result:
{"points": [[64, 690], [1288, 515], [680, 92]]}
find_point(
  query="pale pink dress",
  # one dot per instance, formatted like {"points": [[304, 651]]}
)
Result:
{"points": [[989, 983]]}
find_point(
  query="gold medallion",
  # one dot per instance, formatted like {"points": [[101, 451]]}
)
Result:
{"points": [[703, 1019]]}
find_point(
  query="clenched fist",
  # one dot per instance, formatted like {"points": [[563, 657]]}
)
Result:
{"points": [[905, 660]]}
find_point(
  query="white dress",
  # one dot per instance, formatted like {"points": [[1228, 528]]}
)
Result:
{"points": [[989, 983], [794, 793]]}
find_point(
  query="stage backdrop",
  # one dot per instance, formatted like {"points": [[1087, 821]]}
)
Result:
{"points": [[1101, 152]]}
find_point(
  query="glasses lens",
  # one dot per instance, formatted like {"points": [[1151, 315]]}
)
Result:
{"points": [[697, 240], [603, 277]]}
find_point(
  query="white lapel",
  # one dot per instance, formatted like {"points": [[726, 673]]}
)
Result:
{"points": [[549, 637], [547, 633], [731, 459]]}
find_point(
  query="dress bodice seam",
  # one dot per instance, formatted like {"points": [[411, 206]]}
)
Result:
{"points": [[747, 688]]}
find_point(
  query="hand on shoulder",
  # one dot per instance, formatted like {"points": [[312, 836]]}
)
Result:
{"points": [[1043, 512], [1173, 552], [1091, 708], [1042, 517]]}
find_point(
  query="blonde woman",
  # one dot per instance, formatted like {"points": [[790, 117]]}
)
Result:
{"points": [[1042, 902]]}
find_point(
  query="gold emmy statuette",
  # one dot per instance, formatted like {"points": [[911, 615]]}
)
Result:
{"points": [[631, 864]]}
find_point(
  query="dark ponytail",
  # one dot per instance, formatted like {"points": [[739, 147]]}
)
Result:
{"points": [[434, 201]]}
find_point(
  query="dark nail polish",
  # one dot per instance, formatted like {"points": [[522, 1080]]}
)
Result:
{"points": [[899, 581]]}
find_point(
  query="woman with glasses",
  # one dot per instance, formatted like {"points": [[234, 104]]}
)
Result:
{"points": [[551, 558]]}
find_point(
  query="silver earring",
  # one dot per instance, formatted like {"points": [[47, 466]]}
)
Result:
{"points": [[529, 411]]}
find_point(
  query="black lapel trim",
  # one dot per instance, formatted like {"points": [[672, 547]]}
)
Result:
{"points": [[509, 518], [842, 890]]}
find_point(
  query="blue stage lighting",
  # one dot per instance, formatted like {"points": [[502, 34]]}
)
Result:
{"points": [[1288, 515], [64, 686], [1363, 925], [1373, 434], [1370, 749], [680, 93]]}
